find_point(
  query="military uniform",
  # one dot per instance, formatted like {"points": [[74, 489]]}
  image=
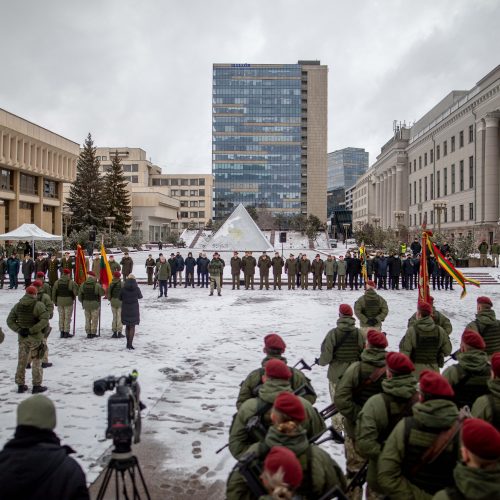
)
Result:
{"points": [[114, 266], [487, 407], [150, 268], [495, 250], [488, 327], [264, 266], [483, 254], [438, 317], [304, 269], [240, 438], [163, 273], [45, 299], [426, 344], [127, 266], [113, 294], [321, 473], [66, 263], [341, 273], [330, 273], [277, 263], [29, 318], [89, 295], [235, 271], [250, 386], [53, 271], [215, 270], [317, 267], [469, 377], [291, 266], [371, 310], [248, 264], [64, 292]]}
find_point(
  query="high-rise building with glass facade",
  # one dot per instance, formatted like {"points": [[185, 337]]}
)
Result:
{"points": [[269, 137], [346, 166]]}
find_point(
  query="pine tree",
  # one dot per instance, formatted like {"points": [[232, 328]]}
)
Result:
{"points": [[117, 196], [86, 197]]}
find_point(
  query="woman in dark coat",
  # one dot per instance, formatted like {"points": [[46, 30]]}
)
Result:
{"points": [[130, 295]]}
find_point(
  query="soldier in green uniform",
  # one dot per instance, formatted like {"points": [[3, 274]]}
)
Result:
{"points": [[127, 265], [113, 295], [330, 271], [95, 265], [66, 263], [46, 287], [291, 266], [53, 269], [215, 270], [371, 309], [438, 317], [274, 348], [264, 265], [360, 381], [469, 377], [277, 263], [64, 293], [288, 417], [495, 250], [245, 430], [46, 300], [317, 267], [113, 265], [341, 347], [382, 412], [483, 253], [28, 318], [487, 325], [425, 343], [488, 407], [248, 264], [163, 272], [304, 269], [235, 264], [341, 272], [477, 476], [89, 295], [150, 268]]}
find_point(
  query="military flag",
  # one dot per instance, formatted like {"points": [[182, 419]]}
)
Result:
{"points": [[80, 267], [362, 256], [105, 275], [423, 278]]}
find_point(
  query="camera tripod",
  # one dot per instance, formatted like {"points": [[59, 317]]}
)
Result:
{"points": [[120, 464]]}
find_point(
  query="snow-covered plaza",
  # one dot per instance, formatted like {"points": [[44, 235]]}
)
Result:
{"points": [[192, 351]]}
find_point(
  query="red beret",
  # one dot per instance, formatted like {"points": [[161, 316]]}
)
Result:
{"points": [[485, 300], [376, 339], [290, 405], [371, 283], [117, 274], [399, 363], [435, 384], [67, 271], [473, 339], [31, 290], [345, 310], [91, 273], [495, 364], [424, 308], [274, 341], [481, 438], [282, 458], [275, 368], [40, 274], [38, 283]]}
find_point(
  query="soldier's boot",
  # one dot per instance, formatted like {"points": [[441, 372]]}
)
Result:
{"points": [[120, 335], [114, 336], [22, 388], [219, 294], [28, 366], [38, 388], [63, 335], [210, 294], [46, 365]]}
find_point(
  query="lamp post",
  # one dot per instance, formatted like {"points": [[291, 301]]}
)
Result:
{"points": [[138, 226], [346, 228], [398, 215], [376, 221], [439, 206], [110, 221]]}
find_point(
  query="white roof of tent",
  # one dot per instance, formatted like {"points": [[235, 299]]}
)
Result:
{"points": [[239, 232], [29, 232]]}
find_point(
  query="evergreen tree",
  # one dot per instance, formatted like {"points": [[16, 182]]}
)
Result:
{"points": [[86, 197], [117, 196]]}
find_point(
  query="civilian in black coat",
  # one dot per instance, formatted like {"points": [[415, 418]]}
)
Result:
{"points": [[130, 295]]}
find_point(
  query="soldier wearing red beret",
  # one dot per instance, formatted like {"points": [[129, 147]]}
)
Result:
{"points": [[383, 411], [246, 430], [425, 342], [438, 317], [64, 293], [274, 347], [487, 325], [402, 473], [113, 295], [371, 309], [478, 474], [470, 376], [488, 407]]}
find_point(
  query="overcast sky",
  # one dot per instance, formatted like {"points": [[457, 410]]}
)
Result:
{"points": [[139, 73]]}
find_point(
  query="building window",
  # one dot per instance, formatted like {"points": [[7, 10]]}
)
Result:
{"points": [[471, 171], [461, 175], [461, 139], [49, 189], [135, 167], [414, 165], [174, 182], [184, 215], [420, 190], [432, 186], [193, 182], [445, 182], [452, 214], [445, 211], [193, 193], [453, 144], [471, 211], [174, 192], [432, 155], [193, 215], [184, 182], [201, 215], [193, 203], [104, 158], [415, 191], [425, 188], [184, 204], [438, 152], [438, 184], [184, 192], [6, 180], [134, 179], [471, 133], [23, 205], [201, 192], [452, 178], [28, 184], [201, 203], [461, 212], [425, 159], [201, 182], [445, 148], [409, 201], [419, 162]]}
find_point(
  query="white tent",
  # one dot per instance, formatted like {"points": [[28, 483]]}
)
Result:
{"points": [[30, 232]]}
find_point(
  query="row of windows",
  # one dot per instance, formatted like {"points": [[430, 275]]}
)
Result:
{"points": [[183, 192], [282, 70], [6, 179], [193, 215], [276, 158], [455, 215], [277, 91], [256, 109], [256, 138], [256, 129], [256, 119], [200, 203], [179, 182]]}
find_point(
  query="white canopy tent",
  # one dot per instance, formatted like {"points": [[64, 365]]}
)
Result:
{"points": [[30, 232]]}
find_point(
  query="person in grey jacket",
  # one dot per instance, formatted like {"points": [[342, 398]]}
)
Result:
{"points": [[341, 272]]}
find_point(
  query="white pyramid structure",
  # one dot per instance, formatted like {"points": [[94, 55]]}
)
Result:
{"points": [[239, 232]]}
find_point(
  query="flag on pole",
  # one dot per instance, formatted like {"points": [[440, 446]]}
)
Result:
{"points": [[105, 275], [423, 278], [80, 267], [362, 256]]}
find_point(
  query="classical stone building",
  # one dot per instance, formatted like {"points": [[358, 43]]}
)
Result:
{"points": [[34, 164]]}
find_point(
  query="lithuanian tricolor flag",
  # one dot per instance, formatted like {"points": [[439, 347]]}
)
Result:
{"points": [[105, 275], [362, 257]]}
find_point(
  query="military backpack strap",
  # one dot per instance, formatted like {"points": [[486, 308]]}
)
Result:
{"points": [[495, 411], [394, 418], [373, 378], [339, 344]]}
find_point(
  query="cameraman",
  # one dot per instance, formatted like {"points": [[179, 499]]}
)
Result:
{"points": [[34, 465]]}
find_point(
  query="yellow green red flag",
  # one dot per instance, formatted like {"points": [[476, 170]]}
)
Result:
{"points": [[105, 275]]}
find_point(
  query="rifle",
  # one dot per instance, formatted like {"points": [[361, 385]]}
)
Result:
{"points": [[304, 365], [358, 479], [453, 356], [334, 436], [328, 412], [100, 308], [251, 474], [335, 492]]}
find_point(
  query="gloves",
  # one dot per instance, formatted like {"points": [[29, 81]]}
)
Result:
{"points": [[371, 322], [24, 332]]}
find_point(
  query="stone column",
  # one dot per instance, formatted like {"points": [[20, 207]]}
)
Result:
{"points": [[385, 208], [377, 197], [399, 188], [479, 161], [491, 154], [389, 198]]}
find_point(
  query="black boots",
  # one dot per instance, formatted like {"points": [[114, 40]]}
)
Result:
{"points": [[38, 388], [130, 332], [22, 388]]}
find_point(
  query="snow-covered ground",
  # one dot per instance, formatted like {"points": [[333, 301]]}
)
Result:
{"points": [[192, 351]]}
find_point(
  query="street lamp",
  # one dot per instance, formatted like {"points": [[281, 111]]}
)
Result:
{"points": [[346, 227], [110, 221], [398, 215], [67, 214], [439, 206]]}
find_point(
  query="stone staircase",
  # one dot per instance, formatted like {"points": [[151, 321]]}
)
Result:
{"points": [[482, 277], [196, 238]]}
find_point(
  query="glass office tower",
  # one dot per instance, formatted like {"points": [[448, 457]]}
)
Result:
{"points": [[346, 166]]}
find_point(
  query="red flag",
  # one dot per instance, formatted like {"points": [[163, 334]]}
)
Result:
{"points": [[80, 267], [105, 275], [423, 278]]}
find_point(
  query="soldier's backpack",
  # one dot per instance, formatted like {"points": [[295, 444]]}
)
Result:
{"points": [[470, 386], [495, 411], [491, 336]]}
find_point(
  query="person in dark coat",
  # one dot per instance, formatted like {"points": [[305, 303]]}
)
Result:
{"points": [[27, 268], [394, 272], [198, 272], [416, 270], [13, 266], [416, 247], [190, 264], [382, 272], [179, 260], [33, 464], [408, 273], [204, 261], [173, 269], [130, 295]]}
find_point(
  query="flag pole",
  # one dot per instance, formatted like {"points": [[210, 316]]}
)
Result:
{"points": [[74, 316]]}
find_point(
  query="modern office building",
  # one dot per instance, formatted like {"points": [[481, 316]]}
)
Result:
{"points": [[34, 164], [346, 166], [269, 137]]}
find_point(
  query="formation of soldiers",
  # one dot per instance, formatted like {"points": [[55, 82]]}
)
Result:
{"points": [[408, 430]]}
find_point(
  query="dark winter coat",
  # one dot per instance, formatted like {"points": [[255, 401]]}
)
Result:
{"points": [[416, 265], [180, 262], [416, 247], [34, 466], [382, 266], [127, 265], [41, 265], [13, 266], [28, 268], [203, 265], [395, 266], [408, 267], [190, 263], [130, 295], [173, 265]]}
